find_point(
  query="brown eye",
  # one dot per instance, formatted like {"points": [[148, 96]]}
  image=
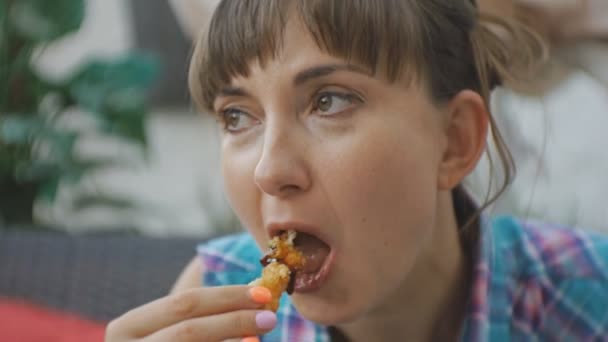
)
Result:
{"points": [[236, 121], [232, 119], [327, 104]]}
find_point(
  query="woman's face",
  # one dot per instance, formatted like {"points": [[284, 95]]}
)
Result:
{"points": [[312, 142]]}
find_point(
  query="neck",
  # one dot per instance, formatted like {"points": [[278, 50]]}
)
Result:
{"points": [[431, 303]]}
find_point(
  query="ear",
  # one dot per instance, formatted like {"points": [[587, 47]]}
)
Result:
{"points": [[466, 130]]}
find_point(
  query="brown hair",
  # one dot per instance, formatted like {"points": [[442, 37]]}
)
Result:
{"points": [[447, 44]]}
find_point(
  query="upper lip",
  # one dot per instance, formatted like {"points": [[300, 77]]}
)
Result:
{"points": [[275, 228]]}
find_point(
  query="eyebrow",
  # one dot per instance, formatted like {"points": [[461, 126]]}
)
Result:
{"points": [[302, 77], [324, 70], [232, 91]]}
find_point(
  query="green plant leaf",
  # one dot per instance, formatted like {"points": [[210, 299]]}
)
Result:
{"points": [[62, 144], [131, 126], [3, 33], [48, 191], [116, 93], [24, 130], [7, 165], [45, 20], [119, 85], [19, 129], [36, 170]]}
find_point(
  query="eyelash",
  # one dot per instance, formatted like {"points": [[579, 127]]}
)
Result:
{"points": [[223, 115], [223, 118], [349, 97]]}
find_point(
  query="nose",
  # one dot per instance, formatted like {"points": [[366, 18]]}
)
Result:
{"points": [[282, 169]]}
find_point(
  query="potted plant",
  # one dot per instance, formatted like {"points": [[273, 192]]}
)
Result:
{"points": [[38, 151]]}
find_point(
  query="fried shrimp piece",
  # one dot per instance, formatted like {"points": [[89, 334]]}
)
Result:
{"points": [[280, 266], [282, 249], [276, 278]]}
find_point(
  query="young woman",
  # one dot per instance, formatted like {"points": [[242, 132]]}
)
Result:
{"points": [[354, 123]]}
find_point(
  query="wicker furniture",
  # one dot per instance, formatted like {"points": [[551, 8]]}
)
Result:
{"points": [[97, 277]]}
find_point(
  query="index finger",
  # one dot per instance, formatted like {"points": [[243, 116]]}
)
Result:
{"points": [[198, 302]]}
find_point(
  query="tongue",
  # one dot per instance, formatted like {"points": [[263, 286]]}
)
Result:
{"points": [[314, 251]]}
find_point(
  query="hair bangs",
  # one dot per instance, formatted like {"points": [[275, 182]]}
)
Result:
{"points": [[383, 37]]}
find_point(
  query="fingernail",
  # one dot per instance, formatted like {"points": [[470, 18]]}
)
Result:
{"points": [[260, 294], [266, 320], [250, 339]]}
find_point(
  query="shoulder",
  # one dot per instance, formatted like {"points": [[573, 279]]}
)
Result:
{"points": [[556, 277], [537, 248], [232, 259]]}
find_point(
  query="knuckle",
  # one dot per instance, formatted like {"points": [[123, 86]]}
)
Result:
{"points": [[186, 332], [243, 322], [183, 304]]}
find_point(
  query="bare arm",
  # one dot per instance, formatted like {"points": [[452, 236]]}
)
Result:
{"points": [[190, 277]]}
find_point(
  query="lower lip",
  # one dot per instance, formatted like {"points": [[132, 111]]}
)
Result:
{"points": [[313, 281]]}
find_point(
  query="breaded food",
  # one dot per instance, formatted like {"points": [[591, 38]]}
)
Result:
{"points": [[281, 263], [282, 249], [275, 277]]}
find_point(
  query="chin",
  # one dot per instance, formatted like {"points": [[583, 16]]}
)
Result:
{"points": [[327, 312]]}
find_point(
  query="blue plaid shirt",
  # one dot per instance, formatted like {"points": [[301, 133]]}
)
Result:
{"points": [[532, 282]]}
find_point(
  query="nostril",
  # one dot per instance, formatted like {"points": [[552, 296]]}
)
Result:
{"points": [[290, 188]]}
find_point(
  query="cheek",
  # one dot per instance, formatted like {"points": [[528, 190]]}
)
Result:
{"points": [[237, 171], [386, 180], [384, 189], [388, 199]]}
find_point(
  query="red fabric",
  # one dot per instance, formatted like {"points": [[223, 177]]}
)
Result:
{"points": [[26, 322]]}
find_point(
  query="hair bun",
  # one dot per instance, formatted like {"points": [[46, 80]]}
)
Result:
{"points": [[506, 52]]}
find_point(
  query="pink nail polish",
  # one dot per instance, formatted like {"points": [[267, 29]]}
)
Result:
{"points": [[266, 320]]}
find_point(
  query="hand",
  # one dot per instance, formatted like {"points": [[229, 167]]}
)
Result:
{"points": [[200, 314]]}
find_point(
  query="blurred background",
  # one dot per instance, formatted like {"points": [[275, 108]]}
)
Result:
{"points": [[101, 156], [162, 181], [101, 152]]}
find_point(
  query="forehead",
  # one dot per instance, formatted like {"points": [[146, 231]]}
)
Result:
{"points": [[297, 50], [282, 30], [296, 40]]}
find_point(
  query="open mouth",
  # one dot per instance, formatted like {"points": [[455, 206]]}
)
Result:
{"points": [[317, 259], [295, 261], [314, 250]]}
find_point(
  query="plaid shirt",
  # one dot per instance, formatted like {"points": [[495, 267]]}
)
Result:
{"points": [[532, 282]]}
